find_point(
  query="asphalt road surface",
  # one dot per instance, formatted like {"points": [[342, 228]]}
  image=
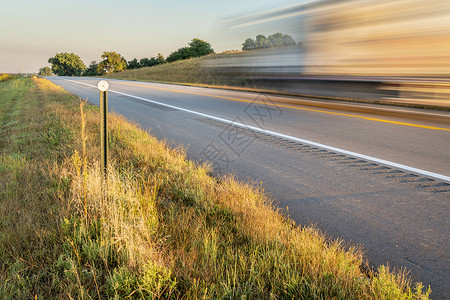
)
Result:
{"points": [[377, 176]]}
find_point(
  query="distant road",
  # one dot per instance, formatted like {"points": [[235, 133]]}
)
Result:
{"points": [[374, 175]]}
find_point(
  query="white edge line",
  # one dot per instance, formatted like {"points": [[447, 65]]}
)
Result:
{"points": [[289, 137]]}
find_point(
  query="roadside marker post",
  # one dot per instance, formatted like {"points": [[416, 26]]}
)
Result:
{"points": [[103, 87]]}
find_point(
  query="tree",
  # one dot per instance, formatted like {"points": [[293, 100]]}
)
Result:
{"points": [[112, 62], [262, 42], [150, 62], [182, 53], [200, 47], [197, 48], [45, 71], [160, 59], [144, 62], [276, 40], [288, 40], [249, 44], [92, 69], [133, 64], [67, 64], [174, 56]]}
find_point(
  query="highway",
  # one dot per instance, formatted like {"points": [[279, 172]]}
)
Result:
{"points": [[373, 175]]}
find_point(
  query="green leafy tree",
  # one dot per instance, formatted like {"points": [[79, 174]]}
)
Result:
{"points": [[150, 62], [92, 69], [45, 71], [249, 44], [262, 42], [153, 62], [276, 40], [182, 53], [197, 48], [288, 40], [200, 47], [112, 62], [174, 56], [144, 62], [133, 64], [67, 64]]}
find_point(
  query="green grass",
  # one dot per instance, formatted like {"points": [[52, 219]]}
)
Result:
{"points": [[165, 229]]}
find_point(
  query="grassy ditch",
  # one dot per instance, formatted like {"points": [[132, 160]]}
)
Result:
{"points": [[166, 228]]}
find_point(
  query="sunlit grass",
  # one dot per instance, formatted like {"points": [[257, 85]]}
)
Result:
{"points": [[4, 77], [166, 229]]}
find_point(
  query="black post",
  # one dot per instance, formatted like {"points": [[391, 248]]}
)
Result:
{"points": [[104, 133], [103, 87]]}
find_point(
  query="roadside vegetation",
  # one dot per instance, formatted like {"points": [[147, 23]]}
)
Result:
{"points": [[6, 77], [276, 40], [70, 64], [45, 71], [166, 229]]}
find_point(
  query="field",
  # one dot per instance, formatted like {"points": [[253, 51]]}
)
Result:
{"points": [[163, 228]]}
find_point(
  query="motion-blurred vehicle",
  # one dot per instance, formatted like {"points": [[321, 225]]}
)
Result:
{"points": [[385, 49]]}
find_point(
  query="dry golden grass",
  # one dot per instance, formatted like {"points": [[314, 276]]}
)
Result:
{"points": [[165, 229]]}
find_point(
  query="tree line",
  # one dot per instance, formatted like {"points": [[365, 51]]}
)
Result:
{"points": [[70, 64], [276, 40]]}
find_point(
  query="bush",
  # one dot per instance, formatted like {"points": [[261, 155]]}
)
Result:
{"points": [[4, 77], [45, 71], [92, 69]]}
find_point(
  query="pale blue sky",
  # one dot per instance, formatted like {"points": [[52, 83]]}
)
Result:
{"points": [[33, 31]]}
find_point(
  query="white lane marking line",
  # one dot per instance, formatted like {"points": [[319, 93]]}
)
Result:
{"points": [[289, 137]]}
